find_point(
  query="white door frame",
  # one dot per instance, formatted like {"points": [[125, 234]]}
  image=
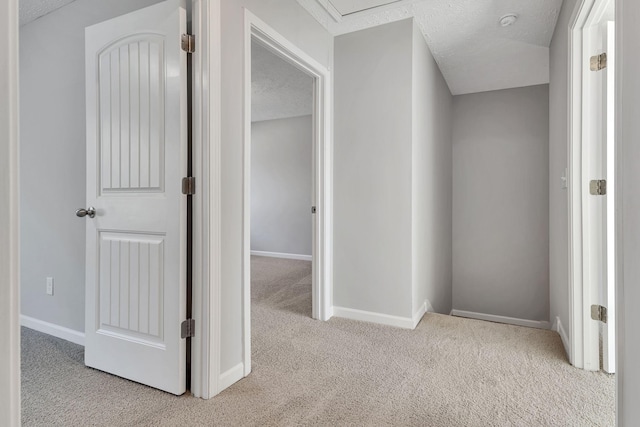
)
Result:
{"points": [[584, 343], [9, 220], [206, 116], [256, 29]]}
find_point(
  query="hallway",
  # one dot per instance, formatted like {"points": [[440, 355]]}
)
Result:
{"points": [[448, 372]]}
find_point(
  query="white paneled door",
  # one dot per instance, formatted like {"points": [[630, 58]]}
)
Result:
{"points": [[136, 83]]}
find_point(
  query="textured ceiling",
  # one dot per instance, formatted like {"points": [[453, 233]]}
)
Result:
{"points": [[346, 7], [278, 89], [473, 51], [30, 10]]}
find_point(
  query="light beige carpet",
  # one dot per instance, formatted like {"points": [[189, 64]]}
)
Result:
{"points": [[448, 372]]}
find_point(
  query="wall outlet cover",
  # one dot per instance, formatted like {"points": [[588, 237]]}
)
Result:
{"points": [[49, 285]]}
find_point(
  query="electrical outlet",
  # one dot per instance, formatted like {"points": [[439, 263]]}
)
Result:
{"points": [[49, 285]]}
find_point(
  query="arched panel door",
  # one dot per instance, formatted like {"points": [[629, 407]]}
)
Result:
{"points": [[136, 81]]}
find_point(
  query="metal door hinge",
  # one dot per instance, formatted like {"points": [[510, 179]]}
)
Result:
{"points": [[188, 43], [188, 329], [598, 187], [189, 185], [599, 313], [313, 209], [598, 62]]}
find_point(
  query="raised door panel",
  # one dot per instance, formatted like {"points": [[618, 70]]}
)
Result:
{"points": [[131, 287], [131, 85]]}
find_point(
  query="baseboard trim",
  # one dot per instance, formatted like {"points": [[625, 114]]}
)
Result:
{"points": [[330, 312], [282, 255], [369, 316], [231, 376], [501, 319], [563, 335], [54, 330], [426, 307]]}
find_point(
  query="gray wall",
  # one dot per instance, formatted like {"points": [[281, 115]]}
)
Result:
{"points": [[295, 24], [52, 108], [372, 169], [500, 203], [558, 162], [628, 135], [281, 185], [432, 181], [392, 207]]}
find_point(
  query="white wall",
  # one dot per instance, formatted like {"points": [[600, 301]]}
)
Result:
{"points": [[296, 25], [501, 204], [432, 181], [53, 157], [558, 163], [392, 167], [281, 185], [628, 135], [372, 169], [9, 271]]}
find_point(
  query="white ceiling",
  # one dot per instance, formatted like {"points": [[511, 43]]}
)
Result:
{"points": [[278, 89], [345, 7], [30, 10], [473, 51]]}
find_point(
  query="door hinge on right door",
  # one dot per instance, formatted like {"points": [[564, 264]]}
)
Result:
{"points": [[599, 313], [598, 62], [598, 187]]}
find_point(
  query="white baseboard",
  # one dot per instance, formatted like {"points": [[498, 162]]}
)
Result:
{"points": [[330, 312], [71, 335], [557, 326], [426, 307], [231, 376], [282, 255], [502, 319], [369, 316]]}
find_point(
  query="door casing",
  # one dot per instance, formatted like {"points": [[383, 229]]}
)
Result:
{"points": [[9, 218], [206, 124]]}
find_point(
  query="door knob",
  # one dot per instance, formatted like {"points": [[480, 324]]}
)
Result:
{"points": [[91, 212]]}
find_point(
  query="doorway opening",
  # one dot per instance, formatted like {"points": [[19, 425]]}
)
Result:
{"points": [[281, 183], [592, 189], [274, 220]]}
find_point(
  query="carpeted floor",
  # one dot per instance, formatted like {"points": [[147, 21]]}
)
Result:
{"points": [[448, 372]]}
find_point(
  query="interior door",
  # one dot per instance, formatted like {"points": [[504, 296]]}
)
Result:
{"points": [[599, 157], [136, 86]]}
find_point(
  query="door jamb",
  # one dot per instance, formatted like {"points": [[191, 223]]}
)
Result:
{"points": [[583, 351], [9, 218], [257, 29], [206, 110]]}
